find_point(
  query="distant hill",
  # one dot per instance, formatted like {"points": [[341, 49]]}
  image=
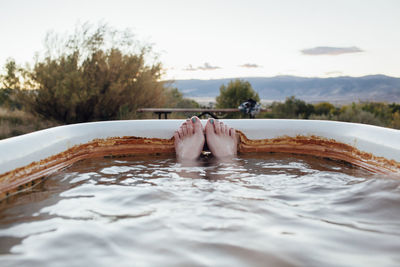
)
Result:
{"points": [[338, 89]]}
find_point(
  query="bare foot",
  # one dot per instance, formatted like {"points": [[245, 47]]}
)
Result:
{"points": [[189, 140], [221, 140]]}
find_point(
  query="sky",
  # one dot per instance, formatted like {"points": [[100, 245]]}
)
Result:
{"points": [[210, 39]]}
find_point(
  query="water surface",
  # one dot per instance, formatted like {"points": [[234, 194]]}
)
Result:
{"points": [[258, 210]]}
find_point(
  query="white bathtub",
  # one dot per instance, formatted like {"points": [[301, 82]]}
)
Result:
{"points": [[21, 151]]}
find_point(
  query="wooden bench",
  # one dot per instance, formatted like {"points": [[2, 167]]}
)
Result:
{"points": [[199, 111]]}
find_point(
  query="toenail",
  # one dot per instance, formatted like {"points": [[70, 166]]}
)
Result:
{"points": [[193, 120], [212, 121]]}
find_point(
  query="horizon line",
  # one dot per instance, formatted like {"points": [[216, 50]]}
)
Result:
{"points": [[283, 75]]}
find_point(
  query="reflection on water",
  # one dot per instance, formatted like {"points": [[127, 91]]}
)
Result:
{"points": [[259, 210]]}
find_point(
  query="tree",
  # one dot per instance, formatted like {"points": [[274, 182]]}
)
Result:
{"points": [[96, 73], [380, 110], [355, 113], [396, 120], [11, 79], [175, 99], [236, 92], [10, 85], [324, 108], [292, 108]]}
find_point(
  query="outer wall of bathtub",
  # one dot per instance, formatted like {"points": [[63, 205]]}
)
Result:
{"points": [[23, 150]]}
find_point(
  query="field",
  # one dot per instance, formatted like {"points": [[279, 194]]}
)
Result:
{"points": [[17, 122]]}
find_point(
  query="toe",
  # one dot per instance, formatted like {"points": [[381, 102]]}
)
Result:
{"points": [[189, 129], [217, 126], [226, 130], [209, 129], [176, 136], [197, 127], [194, 119], [185, 129], [180, 132], [222, 127]]}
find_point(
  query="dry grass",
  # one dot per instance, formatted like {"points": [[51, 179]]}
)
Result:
{"points": [[17, 122]]}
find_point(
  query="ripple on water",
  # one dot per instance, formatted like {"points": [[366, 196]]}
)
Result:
{"points": [[258, 210]]}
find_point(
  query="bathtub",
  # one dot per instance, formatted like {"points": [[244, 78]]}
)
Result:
{"points": [[27, 158]]}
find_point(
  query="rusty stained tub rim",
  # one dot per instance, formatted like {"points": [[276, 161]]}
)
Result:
{"points": [[49, 150]]}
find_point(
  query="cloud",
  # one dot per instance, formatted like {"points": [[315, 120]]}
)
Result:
{"points": [[190, 68], [206, 66], [330, 51], [250, 66]]}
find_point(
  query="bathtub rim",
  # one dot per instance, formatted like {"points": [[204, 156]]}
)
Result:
{"points": [[22, 150]]}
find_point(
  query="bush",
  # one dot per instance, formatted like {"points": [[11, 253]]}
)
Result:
{"points": [[292, 108], [17, 122], [10, 85], [356, 114], [380, 110], [234, 94], [175, 99], [396, 120], [324, 108], [93, 74], [4, 96]]}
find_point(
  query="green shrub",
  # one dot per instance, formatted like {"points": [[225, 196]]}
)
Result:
{"points": [[235, 93], [175, 99], [17, 122], [396, 120], [93, 74], [324, 108], [4, 96], [355, 113], [292, 108], [380, 110]]}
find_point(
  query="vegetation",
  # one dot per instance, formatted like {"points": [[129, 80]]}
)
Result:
{"points": [[5, 96], [98, 73], [17, 122], [236, 92], [375, 113], [175, 99], [292, 108], [10, 85], [92, 74]]}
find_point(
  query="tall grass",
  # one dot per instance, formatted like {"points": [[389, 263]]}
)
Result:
{"points": [[17, 122]]}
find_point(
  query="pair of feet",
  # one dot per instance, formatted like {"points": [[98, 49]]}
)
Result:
{"points": [[190, 138]]}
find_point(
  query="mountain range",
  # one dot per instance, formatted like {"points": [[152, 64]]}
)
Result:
{"points": [[338, 89]]}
